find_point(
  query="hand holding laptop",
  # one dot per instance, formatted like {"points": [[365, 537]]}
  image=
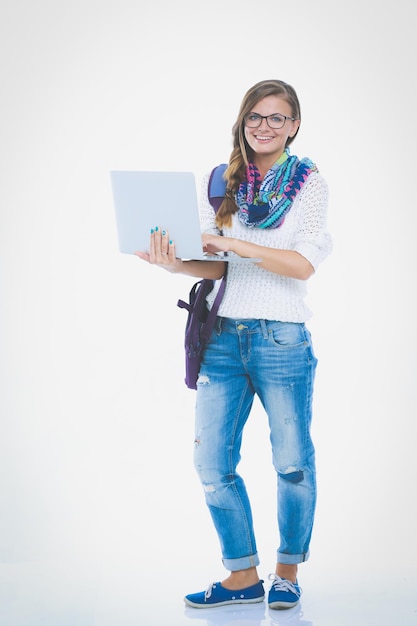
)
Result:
{"points": [[161, 250]]}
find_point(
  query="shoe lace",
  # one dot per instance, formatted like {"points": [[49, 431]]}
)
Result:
{"points": [[282, 584], [208, 591]]}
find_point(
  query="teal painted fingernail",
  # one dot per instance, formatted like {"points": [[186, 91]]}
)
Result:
{"points": [[151, 231], [156, 228], [170, 242], [164, 232]]}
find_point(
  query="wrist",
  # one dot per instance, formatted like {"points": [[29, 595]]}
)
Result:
{"points": [[178, 267], [239, 247]]}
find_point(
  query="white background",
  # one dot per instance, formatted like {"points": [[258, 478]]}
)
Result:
{"points": [[96, 422]]}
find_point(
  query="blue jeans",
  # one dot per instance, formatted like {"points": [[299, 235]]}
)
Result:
{"points": [[274, 360]]}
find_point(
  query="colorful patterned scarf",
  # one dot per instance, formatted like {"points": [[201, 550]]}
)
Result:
{"points": [[264, 204]]}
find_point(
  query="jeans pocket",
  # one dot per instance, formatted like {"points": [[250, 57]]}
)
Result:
{"points": [[288, 334]]}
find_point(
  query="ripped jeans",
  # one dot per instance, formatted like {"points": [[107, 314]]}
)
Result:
{"points": [[274, 360]]}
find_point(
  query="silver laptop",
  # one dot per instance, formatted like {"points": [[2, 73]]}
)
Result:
{"points": [[146, 199]]}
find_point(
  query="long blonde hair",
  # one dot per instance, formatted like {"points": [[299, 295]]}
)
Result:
{"points": [[242, 153]]}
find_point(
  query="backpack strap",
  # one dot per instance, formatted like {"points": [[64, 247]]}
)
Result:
{"points": [[212, 314], [217, 186], [216, 193]]}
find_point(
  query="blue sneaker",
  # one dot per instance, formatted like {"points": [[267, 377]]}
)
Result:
{"points": [[283, 593], [217, 595]]}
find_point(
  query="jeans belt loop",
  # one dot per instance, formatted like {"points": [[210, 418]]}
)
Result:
{"points": [[264, 328]]}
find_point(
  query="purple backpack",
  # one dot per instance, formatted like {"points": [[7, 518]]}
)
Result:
{"points": [[200, 321]]}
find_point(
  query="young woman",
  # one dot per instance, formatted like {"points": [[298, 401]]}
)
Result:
{"points": [[275, 210]]}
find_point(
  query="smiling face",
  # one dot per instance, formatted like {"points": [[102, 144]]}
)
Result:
{"points": [[267, 143]]}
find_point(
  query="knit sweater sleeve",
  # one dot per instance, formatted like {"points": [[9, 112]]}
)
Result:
{"points": [[312, 239]]}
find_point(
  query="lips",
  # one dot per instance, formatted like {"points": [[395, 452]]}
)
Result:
{"points": [[263, 138]]}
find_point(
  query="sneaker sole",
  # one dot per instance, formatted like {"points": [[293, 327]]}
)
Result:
{"points": [[196, 605], [282, 605]]}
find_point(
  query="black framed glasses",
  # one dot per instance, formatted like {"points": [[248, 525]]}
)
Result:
{"points": [[277, 120]]}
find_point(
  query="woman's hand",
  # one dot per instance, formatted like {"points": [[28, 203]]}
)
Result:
{"points": [[216, 243], [161, 251]]}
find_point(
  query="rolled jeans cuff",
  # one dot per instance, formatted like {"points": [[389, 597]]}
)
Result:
{"points": [[245, 562], [292, 559]]}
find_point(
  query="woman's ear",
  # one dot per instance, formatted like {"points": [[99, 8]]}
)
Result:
{"points": [[295, 127]]}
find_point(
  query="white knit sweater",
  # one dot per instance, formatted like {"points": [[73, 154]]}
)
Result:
{"points": [[251, 291]]}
